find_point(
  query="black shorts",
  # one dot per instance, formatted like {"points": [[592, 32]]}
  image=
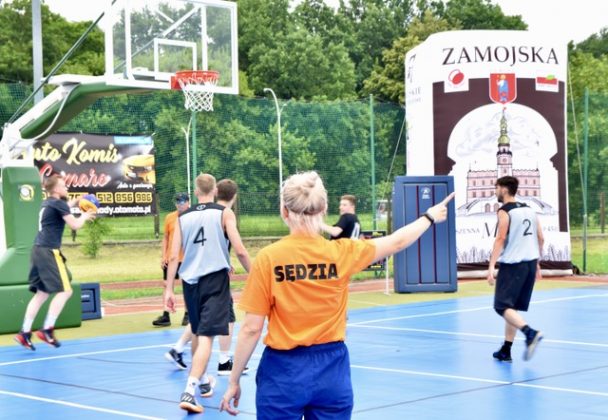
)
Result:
{"points": [[514, 285], [208, 304], [176, 272], [48, 272]]}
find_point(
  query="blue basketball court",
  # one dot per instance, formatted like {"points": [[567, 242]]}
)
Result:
{"points": [[428, 360]]}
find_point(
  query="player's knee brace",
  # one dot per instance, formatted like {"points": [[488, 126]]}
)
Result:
{"points": [[500, 311]]}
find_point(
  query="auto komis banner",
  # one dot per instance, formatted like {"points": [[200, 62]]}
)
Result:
{"points": [[484, 104], [119, 170]]}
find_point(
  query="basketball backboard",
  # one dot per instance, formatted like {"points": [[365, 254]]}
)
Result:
{"points": [[147, 41]]}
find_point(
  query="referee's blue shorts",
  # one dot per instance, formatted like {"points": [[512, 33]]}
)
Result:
{"points": [[313, 382]]}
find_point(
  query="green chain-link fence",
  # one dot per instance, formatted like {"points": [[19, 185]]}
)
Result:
{"points": [[238, 140], [596, 121]]}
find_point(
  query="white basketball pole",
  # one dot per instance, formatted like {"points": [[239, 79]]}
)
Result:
{"points": [[276, 104]]}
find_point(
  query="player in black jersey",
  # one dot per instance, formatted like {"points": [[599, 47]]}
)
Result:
{"points": [[48, 273]]}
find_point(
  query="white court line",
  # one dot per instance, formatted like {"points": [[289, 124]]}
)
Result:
{"points": [[482, 380], [421, 330], [433, 375], [66, 356], [554, 388], [75, 405], [480, 308], [456, 311]]}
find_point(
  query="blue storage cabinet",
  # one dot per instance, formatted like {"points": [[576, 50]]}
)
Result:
{"points": [[429, 264], [90, 298]]}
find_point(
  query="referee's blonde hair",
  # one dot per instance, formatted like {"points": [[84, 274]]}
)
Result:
{"points": [[305, 198]]}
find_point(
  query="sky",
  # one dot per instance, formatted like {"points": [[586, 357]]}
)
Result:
{"points": [[574, 23]]}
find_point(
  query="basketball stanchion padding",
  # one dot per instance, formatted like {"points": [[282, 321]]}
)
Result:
{"points": [[195, 84], [88, 202]]}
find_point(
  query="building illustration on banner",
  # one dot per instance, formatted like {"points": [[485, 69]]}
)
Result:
{"points": [[523, 162], [480, 193]]}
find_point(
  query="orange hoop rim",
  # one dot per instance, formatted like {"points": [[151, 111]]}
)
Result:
{"points": [[197, 77]]}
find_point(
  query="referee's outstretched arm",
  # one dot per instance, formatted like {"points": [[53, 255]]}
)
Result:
{"points": [[405, 236]]}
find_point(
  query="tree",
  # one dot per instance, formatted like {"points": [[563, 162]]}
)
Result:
{"points": [[388, 80], [477, 14], [372, 26], [301, 66], [58, 36], [260, 23], [596, 44]]}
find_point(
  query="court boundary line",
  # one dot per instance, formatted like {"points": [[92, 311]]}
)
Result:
{"points": [[475, 309], [479, 335], [77, 405], [66, 356], [523, 383]]}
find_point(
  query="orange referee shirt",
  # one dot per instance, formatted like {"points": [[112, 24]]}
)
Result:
{"points": [[169, 229], [301, 284]]}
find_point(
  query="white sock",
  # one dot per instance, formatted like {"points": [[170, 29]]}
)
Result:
{"points": [[49, 322], [205, 379], [27, 324], [191, 385], [180, 345], [224, 357]]}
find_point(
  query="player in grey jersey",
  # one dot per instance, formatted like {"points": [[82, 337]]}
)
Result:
{"points": [[518, 247], [201, 232]]}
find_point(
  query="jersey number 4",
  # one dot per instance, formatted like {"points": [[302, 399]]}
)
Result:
{"points": [[200, 237]]}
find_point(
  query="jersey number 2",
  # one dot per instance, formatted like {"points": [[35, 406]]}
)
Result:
{"points": [[200, 237], [528, 224]]}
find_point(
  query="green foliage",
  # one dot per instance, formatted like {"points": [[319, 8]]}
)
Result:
{"points": [[95, 231], [596, 44], [300, 66], [477, 14], [58, 36], [388, 78]]}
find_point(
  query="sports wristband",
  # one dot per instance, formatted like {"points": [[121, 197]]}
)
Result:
{"points": [[429, 218]]}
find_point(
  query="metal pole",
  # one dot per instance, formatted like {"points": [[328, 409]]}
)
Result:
{"points": [[603, 211], [188, 178], [37, 50], [585, 177], [278, 110], [194, 151], [373, 158]]}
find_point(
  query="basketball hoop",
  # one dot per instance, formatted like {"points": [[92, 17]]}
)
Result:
{"points": [[195, 84]]}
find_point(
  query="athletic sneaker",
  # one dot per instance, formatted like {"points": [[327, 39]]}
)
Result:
{"points": [[224, 369], [185, 320], [162, 321], [502, 355], [25, 339], [207, 389], [48, 337], [188, 402], [532, 339], [177, 358]]}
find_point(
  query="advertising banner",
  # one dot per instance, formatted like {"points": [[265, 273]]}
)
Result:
{"points": [[119, 170], [484, 104]]}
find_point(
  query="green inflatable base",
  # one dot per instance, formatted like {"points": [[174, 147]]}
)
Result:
{"points": [[14, 299]]}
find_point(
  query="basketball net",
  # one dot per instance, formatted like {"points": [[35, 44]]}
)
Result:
{"points": [[195, 84]]}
